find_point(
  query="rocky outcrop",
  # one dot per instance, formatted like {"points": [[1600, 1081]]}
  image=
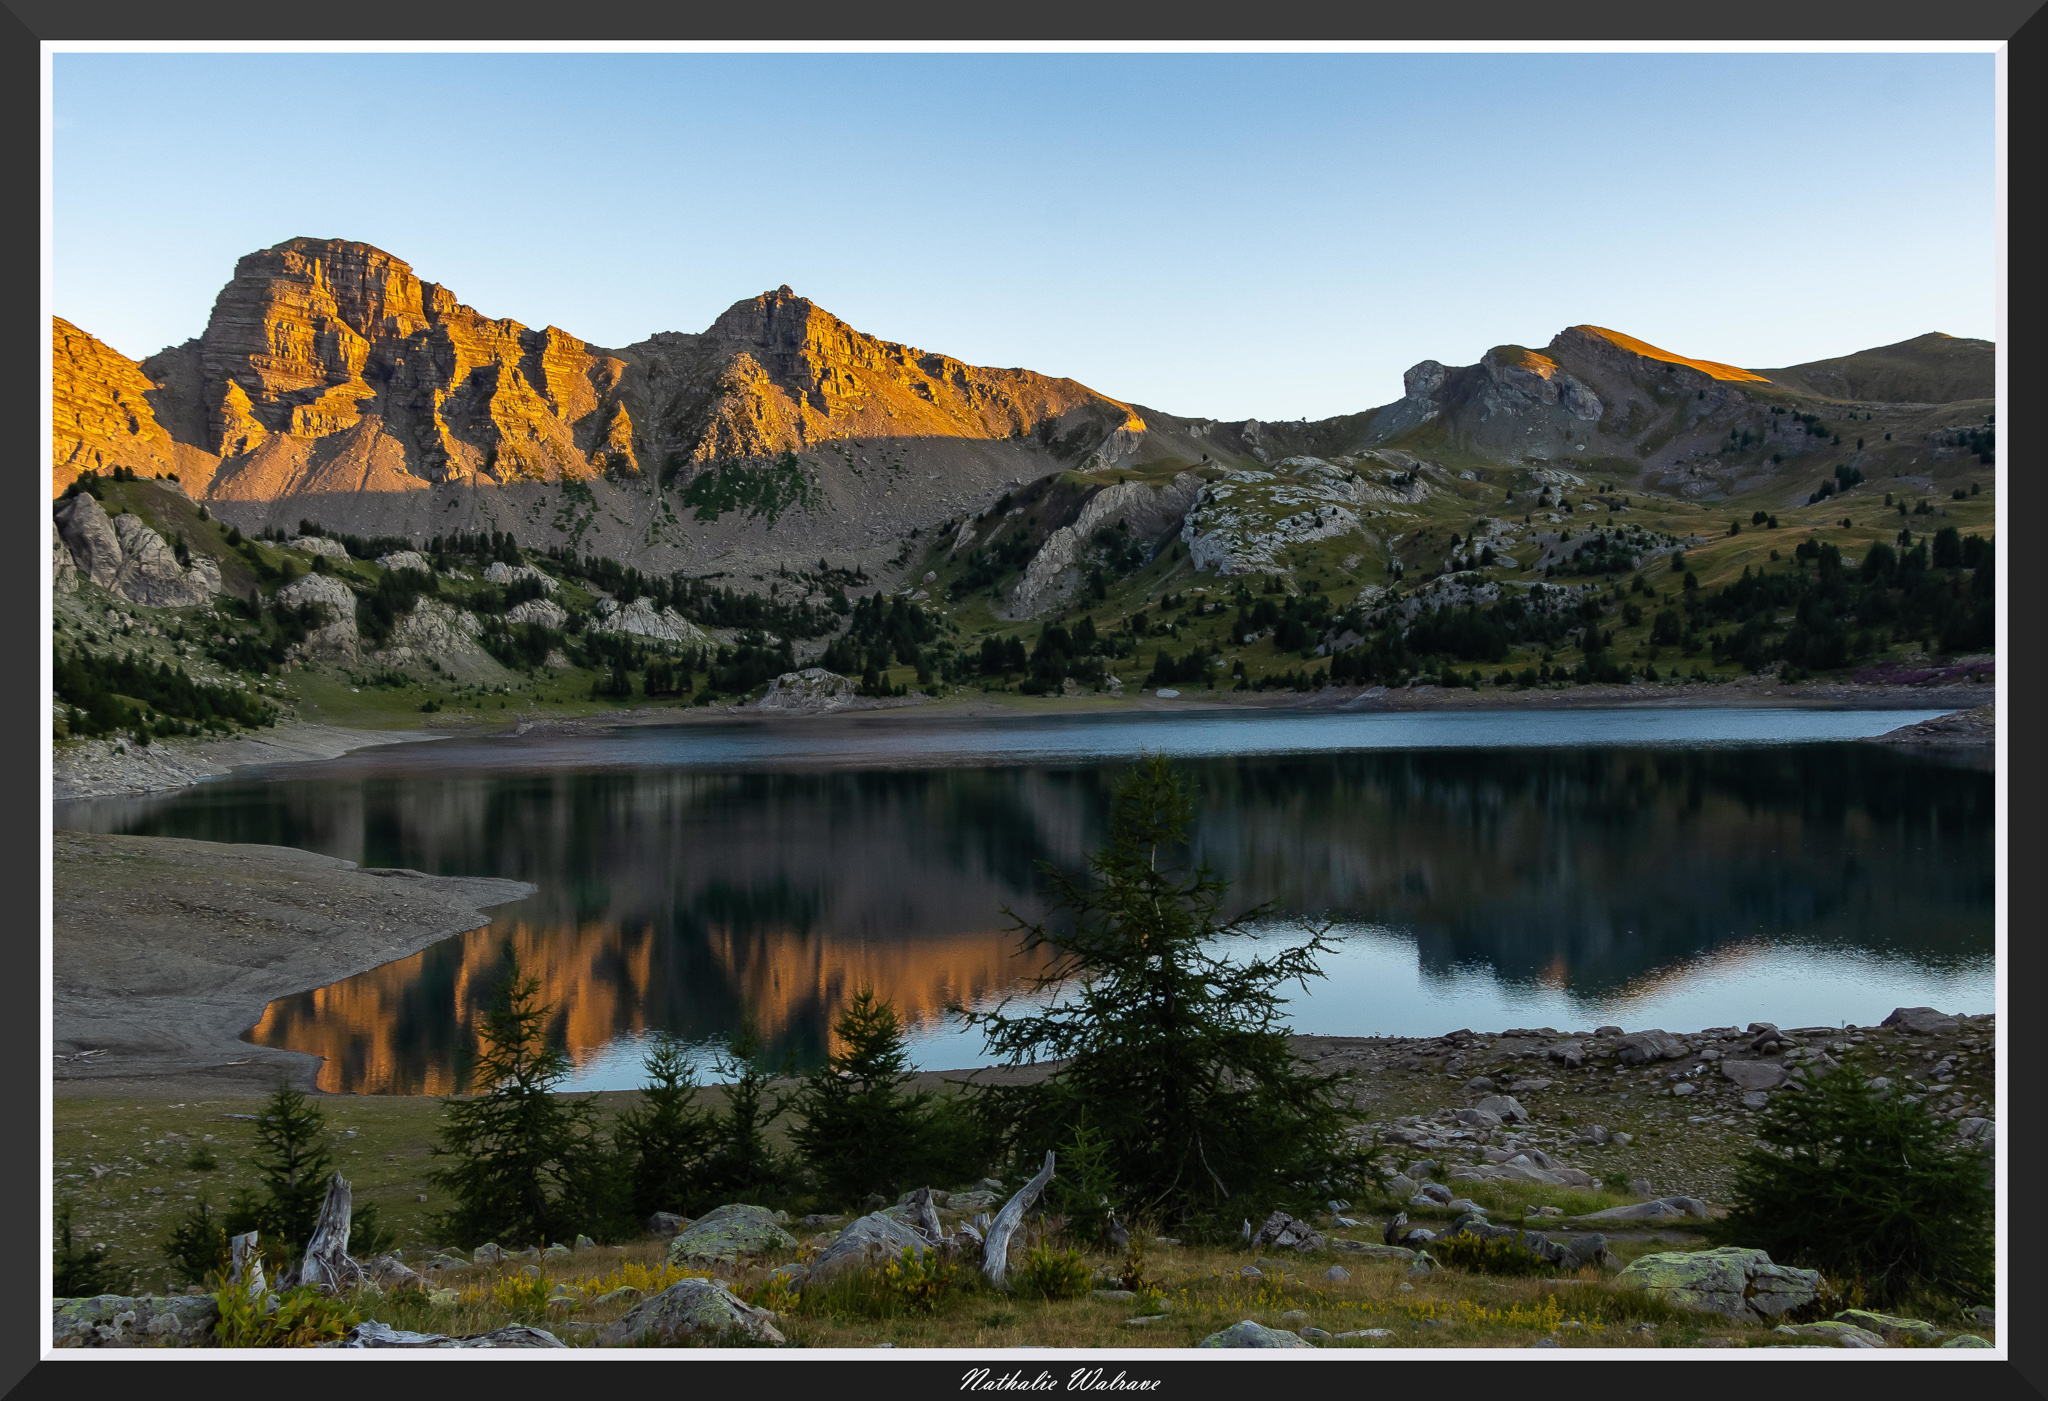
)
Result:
{"points": [[869, 1243], [1244, 523], [122, 554], [543, 611], [812, 691], [638, 619], [336, 637], [101, 412], [115, 1320], [1146, 510], [502, 573], [317, 545], [405, 559], [63, 569], [440, 634]]}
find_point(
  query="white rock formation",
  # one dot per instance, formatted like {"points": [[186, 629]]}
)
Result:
{"points": [[337, 637], [405, 559], [1242, 524], [545, 611], [317, 545], [502, 573], [63, 568], [1055, 572], [812, 691], [439, 633], [639, 619]]}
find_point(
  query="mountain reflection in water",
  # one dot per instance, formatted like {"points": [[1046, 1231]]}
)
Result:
{"points": [[679, 899]]}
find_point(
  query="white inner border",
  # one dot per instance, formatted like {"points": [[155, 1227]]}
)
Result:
{"points": [[969, 1358]]}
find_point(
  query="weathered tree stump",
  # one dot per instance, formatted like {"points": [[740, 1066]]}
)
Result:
{"points": [[995, 1251], [326, 1264], [245, 1265], [924, 1217]]}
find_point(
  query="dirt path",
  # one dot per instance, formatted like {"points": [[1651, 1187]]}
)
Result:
{"points": [[166, 951]]}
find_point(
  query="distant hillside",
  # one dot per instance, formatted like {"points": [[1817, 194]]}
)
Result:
{"points": [[1929, 369]]}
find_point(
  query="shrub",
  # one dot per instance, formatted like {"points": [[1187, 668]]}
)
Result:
{"points": [[663, 1142], [1053, 1274], [1497, 1255], [76, 1273], [1871, 1190], [301, 1317]]}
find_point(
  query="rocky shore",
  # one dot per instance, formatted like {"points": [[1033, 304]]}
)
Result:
{"points": [[165, 951], [100, 768]]}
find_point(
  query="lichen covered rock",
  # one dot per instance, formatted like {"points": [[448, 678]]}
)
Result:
{"points": [[725, 1234], [1732, 1281], [692, 1308], [116, 1320]]}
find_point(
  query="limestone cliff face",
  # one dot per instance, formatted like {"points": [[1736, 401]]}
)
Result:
{"points": [[329, 367]]}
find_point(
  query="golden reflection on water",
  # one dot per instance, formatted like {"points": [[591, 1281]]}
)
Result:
{"points": [[599, 981]]}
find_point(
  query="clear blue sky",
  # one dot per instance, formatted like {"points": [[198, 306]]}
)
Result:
{"points": [[1273, 236]]}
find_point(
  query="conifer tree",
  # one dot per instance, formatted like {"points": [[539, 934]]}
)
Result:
{"points": [[1174, 1051], [861, 1132], [524, 1166], [665, 1141]]}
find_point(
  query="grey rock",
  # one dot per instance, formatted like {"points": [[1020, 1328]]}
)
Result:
{"points": [[1570, 1054], [1283, 1230], [1377, 1252], [1337, 1273], [625, 1294], [1251, 1334], [1660, 1209], [1755, 1099], [489, 1253], [1401, 1187], [63, 569], [691, 1308], [727, 1233], [1839, 1334], [1113, 1295], [1478, 1119], [1368, 1333], [372, 1334], [1435, 1192], [1967, 1340], [1314, 1335], [1478, 1084], [151, 575], [557, 1251], [1754, 1074], [585, 1243], [83, 525], [1506, 1106], [1921, 1021], [666, 1223], [1643, 1047], [1734, 1282], [872, 1241], [117, 1320], [1595, 1134]]}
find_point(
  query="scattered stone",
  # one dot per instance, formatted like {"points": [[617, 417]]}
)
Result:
{"points": [[873, 1240], [625, 1294], [1114, 1296], [1283, 1230], [1755, 1099], [1737, 1283], [585, 1243], [1372, 1332], [1658, 1209], [1890, 1327], [1314, 1335], [1251, 1334], [1840, 1334], [1337, 1274], [688, 1308], [1478, 1084], [557, 1251], [372, 1334], [1754, 1074], [489, 1253], [666, 1223], [1966, 1340], [114, 1320], [1505, 1106]]}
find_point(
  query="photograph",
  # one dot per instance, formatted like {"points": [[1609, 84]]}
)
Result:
{"points": [[1041, 704]]}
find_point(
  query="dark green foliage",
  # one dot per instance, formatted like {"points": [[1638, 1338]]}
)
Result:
{"points": [[1085, 1189], [397, 590], [1175, 1054], [77, 1273], [743, 1165], [861, 1132], [1497, 1255], [1873, 1191], [663, 1143], [760, 493], [880, 633], [108, 693], [197, 1246], [1052, 1274], [523, 1165], [1196, 666], [292, 1167]]}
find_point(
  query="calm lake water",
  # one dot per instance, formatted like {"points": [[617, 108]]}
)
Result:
{"points": [[1677, 868]]}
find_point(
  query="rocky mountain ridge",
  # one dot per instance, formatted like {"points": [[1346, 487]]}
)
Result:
{"points": [[331, 382]]}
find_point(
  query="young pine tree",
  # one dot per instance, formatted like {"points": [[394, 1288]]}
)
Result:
{"points": [[80, 1272], [743, 1165], [525, 1167], [1177, 1055], [1875, 1193], [665, 1141], [861, 1132]]}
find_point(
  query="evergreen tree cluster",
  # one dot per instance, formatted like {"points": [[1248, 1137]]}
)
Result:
{"points": [[106, 693]]}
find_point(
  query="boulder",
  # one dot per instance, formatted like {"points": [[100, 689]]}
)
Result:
{"points": [[812, 691], [1890, 1327], [317, 545], [116, 1320], [389, 1272], [1642, 1047], [1505, 1106], [666, 1223], [405, 559], [1732, 1281], [1570, 1054], [1921, 1021], [1250, 1334], [1840, 1334], [1754, 1075], [969, 1202], [1377, 1252], [872, 1241], [725, 1234], [1524, 1172], [1661, 1209], [1479, 1118], [692, 1308], [433, 631], [638, 619], [370, 1333], [1967, 1340], [1283, 1230], [489, 1253]]}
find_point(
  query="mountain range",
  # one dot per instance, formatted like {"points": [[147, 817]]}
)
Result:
{"points": [[331, 383]]}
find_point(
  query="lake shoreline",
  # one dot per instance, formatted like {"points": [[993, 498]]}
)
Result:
{"points": [[98, 768], [166, 951]]}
